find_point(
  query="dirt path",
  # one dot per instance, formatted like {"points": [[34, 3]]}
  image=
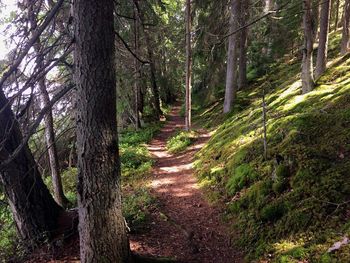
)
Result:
{"points": [[184, 226]]}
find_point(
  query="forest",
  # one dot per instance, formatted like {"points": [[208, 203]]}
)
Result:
{"points": [[175, 131]]}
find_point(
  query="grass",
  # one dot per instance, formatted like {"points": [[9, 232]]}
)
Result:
{"points": [[180, 141], [294, 205]]}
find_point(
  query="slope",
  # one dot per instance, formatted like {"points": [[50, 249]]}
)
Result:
{"points": [[293, 206]]}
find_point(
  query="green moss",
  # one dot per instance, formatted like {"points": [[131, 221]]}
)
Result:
{"points": [[242, 176], [274, 211]]}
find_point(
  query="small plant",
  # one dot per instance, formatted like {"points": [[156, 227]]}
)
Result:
{"points": [[180, 141], [136, 208]]}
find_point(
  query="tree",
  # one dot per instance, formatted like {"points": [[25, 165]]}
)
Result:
{"points": [[231, 73], [243, 36], [102, 227], [48, 120], [137, 88], [345, 32], [323, 39], [154, 85], [336, 21], [307, 75], [188, 65], [34, 210]]}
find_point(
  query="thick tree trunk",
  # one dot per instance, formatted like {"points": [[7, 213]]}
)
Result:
{"points": [[102, 227], [321, 62], [231, 73], [34, 210], [345, 33], [307, 65], [188, 66], [244, 16]]}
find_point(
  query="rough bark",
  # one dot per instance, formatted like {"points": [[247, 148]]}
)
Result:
{"points": [[102, 228], [231, 73], [321, 62], [345, 31], [242, 73], [188, 66], [34, 210], [307, 76]]}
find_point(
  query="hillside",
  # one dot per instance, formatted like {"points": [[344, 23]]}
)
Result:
{"points": [[293, 206]]}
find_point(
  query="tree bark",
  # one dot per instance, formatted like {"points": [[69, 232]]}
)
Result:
{"points": [[307, 76], [321, 62], [244, 16], [345, 33], [102, 228], [231, 73], [188, 66], [34, 210]]}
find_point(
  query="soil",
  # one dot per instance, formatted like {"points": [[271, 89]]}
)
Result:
{"points": [[184, 226]]}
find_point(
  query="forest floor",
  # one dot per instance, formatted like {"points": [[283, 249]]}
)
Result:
{"points": [[183, 226]]}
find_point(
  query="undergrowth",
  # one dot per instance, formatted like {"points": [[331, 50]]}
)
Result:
{"points": [[295, 205], [180, 141], [136, 165]]}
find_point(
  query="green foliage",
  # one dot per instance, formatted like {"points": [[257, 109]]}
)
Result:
{"points": [[8, 235], [136, 208], [180, 141], [298, 209], [69, 183]]}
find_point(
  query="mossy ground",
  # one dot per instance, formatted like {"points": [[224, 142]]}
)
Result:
{"points": [[294, 205]]}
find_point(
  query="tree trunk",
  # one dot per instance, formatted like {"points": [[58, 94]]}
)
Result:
{"points": [[244, 16], [102, 228], [48, 120], [268, 5], [137, 70], [188, 66], [336, 22], [315, 11], [154, 86], [231, 74], [34, 210], [321, 62], [307, 66], [345, 33]]}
